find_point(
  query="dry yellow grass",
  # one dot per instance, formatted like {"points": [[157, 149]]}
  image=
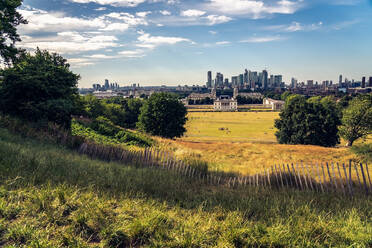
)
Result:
{"points": [[246, 145]]}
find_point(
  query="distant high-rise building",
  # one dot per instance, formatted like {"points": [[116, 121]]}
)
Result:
{"points": [[370, 82], [264, 82], [363, 82], [278, 79], [293, 83], [310, 83], [219, 79], [234, 81], [272, 81], [226, 82], [209, 79], [240, 80], [340, 80], [107, 84], [246, 77]]}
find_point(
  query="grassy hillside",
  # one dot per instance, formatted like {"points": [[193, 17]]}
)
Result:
{"points": [[53, 197]]}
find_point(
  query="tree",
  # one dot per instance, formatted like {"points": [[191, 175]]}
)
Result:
{"points": [[309, 122], [357, 119], [163, 115], [40, 87], [10, 18]]}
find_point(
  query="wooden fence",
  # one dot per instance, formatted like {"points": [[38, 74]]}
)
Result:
{"points": [[347, 179]]}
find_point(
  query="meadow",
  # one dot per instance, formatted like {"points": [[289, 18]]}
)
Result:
{"points": [[51, 196], [245, 142]]}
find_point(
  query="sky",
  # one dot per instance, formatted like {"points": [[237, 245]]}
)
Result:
{"points": [[175, 42]]}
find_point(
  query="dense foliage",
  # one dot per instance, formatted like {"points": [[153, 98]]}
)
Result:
{"points": [[248, 100], [122, 112], [40, 87], [204, 101], [357, 119], [10, 18], [310, 122], [102, 130], [163, 115]]}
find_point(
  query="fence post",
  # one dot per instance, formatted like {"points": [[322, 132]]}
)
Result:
{"points": [[285, 177], [324, 178], [319, 177], [334, 176], [304, 176], [329, 174], [280, 174], [357, 173], [347, 180], [350, 176], [294, 175], [364, 179], [341, 181], [276, 175], [308, 171], [369, 179], [299, 176], [289, 175]]}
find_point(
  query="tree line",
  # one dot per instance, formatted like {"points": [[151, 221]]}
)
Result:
{"points": [[322, 121]]}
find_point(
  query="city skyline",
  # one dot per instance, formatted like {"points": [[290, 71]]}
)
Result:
{"points": [[174, 42]]}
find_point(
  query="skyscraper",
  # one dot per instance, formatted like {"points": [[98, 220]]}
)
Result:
{"points": [[209, 80], [265, 79], [219, 79], [107, 84], [370, 82], [340, 80], [246, 77], [278, 79], [293, 83], [240, 80], [363, 82]]}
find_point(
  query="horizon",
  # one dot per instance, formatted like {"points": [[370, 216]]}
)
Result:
{"points": [[171, 42]]}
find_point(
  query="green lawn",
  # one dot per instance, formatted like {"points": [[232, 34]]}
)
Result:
{"points": [[231, 126], [53, 197]]}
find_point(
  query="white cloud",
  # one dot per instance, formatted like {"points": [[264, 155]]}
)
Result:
{"points": [[220, 43], [295, 27], [213, 32], [70, 42], [138, 53], [116, 3], [165, 12], [143, 13], [215, 19], [147, 41], [39, 20], [101, 9], [262, 39], [42, 21], [192, 13], [253, 8]]}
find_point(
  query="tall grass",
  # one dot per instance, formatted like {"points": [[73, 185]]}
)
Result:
{"points": [[53, 197]]}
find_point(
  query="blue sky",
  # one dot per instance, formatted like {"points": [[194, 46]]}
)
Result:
{"points": [[172, 42]]}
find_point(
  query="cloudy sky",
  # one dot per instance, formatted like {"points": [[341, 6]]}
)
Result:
{"points": [[154, 42]]}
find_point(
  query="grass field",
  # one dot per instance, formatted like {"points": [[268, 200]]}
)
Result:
{"points": [[231, 127], [53, 197], [246, 144]]}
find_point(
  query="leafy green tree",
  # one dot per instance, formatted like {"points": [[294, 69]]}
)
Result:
{"points": [[40, 87], [357, 119], [310, 122], [163, 115], [10, 18]]}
